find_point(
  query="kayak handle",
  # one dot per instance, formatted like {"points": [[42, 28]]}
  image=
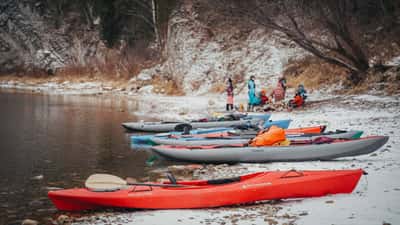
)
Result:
{"points": [[297, 174], [149, 188]]}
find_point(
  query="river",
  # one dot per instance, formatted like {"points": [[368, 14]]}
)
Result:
{"points": [[58, 141]]}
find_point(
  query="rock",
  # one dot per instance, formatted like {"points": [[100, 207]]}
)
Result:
{"points": [[63, 220], [107, 88], [35, 203], [386, 223], [146, 89], [270, 221], [29, 222], [303, 214], [373, 155], [145, 75], [38, 177], [183, 111], [329, 201]]}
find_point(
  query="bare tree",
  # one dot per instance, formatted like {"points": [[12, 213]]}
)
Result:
{"points": [[335, 42]]}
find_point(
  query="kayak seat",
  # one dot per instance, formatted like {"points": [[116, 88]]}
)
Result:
{"points": [[322, 140], [241, 127], [183, 127], [340, 131], [224, 180], [171, 178]]}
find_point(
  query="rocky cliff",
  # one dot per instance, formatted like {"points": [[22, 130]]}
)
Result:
{"points": [[202, 45], [31, 40], [195, 54], [203, 55]]}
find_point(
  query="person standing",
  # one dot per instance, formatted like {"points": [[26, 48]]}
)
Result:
{"points": [[252, 93], [282, 82], [278, 94], [229, 93]]}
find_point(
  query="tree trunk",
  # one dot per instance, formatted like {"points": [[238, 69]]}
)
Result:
{"points": [[155, 23]]}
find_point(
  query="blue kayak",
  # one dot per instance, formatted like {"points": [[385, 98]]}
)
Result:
{"points": [[141, 141]]}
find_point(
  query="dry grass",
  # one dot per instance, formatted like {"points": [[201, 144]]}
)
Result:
{"points": [[218, 87], [107, 64], [112, 68], [387, 81], [167, 86], [313, 73]]}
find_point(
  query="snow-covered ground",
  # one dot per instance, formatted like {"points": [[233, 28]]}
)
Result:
{"points": [[376, 199]]}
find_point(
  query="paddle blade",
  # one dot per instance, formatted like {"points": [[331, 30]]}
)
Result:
{"points": [[105, 182]]}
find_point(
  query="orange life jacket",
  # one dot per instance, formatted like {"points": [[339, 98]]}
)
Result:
{"points": [[298, 100], [271, 136]]}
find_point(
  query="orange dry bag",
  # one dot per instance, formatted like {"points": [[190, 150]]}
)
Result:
{"points": [[273, 135]]}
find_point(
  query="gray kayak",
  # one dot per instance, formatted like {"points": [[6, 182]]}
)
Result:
{"points": [[171, 126], [233, 141], [273, 153]]}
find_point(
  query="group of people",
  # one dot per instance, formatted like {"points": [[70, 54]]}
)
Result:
{"points": [[261, 99]]}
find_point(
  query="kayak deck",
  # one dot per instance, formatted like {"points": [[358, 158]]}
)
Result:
{"points": [[300, 152], [204, 194]]}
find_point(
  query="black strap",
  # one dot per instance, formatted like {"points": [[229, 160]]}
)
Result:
{"points": [[224, 180]]}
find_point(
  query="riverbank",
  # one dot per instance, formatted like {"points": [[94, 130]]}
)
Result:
{"points": [[375, 200]]}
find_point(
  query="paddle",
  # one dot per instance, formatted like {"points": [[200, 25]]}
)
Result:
{"points": [[108, 182]]}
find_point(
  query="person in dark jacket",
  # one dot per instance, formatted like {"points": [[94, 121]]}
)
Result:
{"points": [[229, 93]]}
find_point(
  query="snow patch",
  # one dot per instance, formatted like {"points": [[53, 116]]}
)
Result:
{"points": [[394, 61]]}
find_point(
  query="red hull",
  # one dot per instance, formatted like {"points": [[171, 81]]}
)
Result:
{"points": [[306, 130], [299, 131], [201, 194]]}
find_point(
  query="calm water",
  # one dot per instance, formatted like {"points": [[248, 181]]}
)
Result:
{"points": [[63, 139]]}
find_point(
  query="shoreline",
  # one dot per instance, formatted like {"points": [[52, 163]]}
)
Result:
{"points": [[374, 201], [374, 115]]}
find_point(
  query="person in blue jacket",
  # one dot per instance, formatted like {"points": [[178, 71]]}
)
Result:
{"points": [[253, 100], [302, 91]]}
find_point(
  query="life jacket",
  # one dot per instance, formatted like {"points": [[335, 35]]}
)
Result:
{"points": [[263, 97], [286, 142], [264, 100], [269, 137], [298, 100], [229, 91]]}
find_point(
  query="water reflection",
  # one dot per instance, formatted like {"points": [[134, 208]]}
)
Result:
{"points": [[57, 141]]}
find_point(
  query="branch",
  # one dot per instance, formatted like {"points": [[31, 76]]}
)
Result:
{"points": [[143, 18]]}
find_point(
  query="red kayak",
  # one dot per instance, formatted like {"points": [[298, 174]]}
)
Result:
{"points": [[291, 131], [212, 193], [306, 130]]}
